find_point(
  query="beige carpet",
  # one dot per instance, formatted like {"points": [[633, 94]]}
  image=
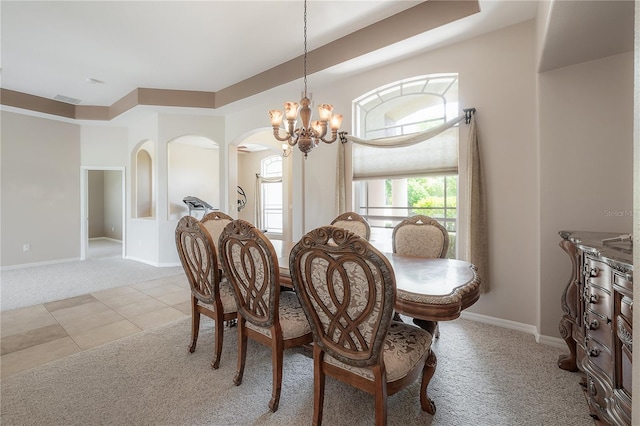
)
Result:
{"points": [[486, 375]]}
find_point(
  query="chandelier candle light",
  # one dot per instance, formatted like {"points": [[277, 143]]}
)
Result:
{"points": [[309, 135]]}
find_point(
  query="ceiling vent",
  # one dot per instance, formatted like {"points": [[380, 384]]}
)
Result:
{"points": [[67, 99]]}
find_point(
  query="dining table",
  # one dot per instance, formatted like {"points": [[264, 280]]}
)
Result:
{"points": [[426, 289]]}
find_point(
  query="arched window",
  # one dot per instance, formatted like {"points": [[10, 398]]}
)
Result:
{"points": [[271, 194], [391, 184]]}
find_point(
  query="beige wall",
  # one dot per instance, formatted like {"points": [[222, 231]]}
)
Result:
{"points": [[586, 163], [40, 189], [113, 204], [103, 145], [95, 203]]}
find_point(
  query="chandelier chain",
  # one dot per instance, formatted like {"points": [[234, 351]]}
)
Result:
{"points": [[305, 48]]}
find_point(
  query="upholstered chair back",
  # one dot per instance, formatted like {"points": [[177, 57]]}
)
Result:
{"points": [[251, 265], [353, 222], [420, 236], [215, 222], [198, 258], [347, 290]]}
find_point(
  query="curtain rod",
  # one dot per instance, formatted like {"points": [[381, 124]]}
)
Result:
{"points": [[468, 113]]}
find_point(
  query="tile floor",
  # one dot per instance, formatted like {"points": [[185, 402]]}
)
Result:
{"points": [[39, 334]]}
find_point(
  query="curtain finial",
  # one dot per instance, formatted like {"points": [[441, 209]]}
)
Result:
{"points": [[343, 137], [468, 113]]}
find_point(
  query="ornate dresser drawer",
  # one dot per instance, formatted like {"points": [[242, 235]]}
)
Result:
{"points": [[597, 299], [598, 327]]}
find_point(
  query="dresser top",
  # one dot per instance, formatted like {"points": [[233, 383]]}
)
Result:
{"points": [[616, 251]]}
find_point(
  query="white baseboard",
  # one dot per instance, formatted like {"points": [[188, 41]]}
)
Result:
{"points": [[105, 238], [156, 264], [30, 265], [518, 326], [553, 341]]}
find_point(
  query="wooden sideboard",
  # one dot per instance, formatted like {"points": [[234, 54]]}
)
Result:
{"points": [[597, 321]]}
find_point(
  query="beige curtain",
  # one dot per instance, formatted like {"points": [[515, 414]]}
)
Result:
{"points": [[407, 140], [258, 197], [477, 249], [341, 185]]}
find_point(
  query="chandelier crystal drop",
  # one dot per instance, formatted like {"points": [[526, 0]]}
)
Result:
{"points": [[310, 133]]}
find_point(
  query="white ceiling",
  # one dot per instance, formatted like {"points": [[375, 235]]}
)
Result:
{"points": [[52, 48]]}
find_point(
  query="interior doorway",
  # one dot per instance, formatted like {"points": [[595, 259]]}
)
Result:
{"points": [[103, 211]]}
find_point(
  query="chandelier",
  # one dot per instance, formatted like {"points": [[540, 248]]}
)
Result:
{"points": [[309, 135]]}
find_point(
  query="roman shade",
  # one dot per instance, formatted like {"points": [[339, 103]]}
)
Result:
{"points": [[433, 152]]}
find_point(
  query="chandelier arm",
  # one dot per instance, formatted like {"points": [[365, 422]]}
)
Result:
{"points": [[276, 134], [324, 130], [291, 127], [334, 137]]}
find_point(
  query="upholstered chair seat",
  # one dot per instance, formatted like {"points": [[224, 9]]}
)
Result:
{"points": [[226, 297], [404, 347], [293, 321]]}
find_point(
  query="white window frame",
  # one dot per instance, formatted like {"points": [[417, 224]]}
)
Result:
{"points": [[267, 209]]}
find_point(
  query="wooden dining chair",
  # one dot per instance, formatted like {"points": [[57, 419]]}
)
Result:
{"points": [[211, 295], [421, 236], [353, 222], [265, 314], [347, 290]]}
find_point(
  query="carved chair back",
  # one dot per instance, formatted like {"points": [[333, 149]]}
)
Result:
{"points": [[198, 257], [347, 290], [251, 265]]}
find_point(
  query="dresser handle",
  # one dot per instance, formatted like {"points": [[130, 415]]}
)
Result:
{"points": [[593, 325], [594, 352], [593, 298], [590, 272]]}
